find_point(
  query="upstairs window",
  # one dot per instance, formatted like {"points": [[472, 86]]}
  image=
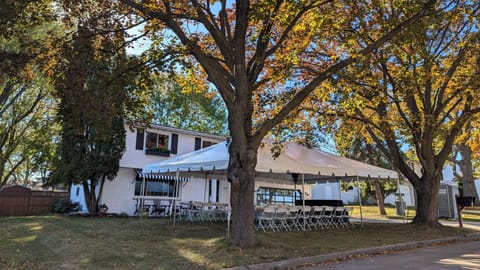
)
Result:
{"points": [[156, 141], [207, 143], [200, 143]]}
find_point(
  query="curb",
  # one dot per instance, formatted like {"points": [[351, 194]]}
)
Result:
{"points": [[347, 255]]}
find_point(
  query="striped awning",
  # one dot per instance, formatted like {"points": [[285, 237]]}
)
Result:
{"points": [[159, 176]]}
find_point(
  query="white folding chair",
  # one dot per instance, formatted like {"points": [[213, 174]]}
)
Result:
{"points": [[304, 218], [338, 217], [292, 218], [327, 217], [316, 216], [266, 219], [280, 219], [346, 216]]}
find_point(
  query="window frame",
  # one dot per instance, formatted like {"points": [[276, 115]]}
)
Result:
{"points": [[272, 195], [157, 145]]}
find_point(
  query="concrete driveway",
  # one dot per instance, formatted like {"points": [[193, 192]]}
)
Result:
{"points": [[463, 255]]}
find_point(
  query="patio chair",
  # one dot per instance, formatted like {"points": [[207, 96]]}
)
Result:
{"points": [[292, 218], [316, 216], [266, 219], [327, 217], [346, 216], [220, 211], [304, 218], [158, 208], [280, 218], [338, 217], [194, 211]]}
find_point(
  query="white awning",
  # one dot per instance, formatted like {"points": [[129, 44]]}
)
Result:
{"points": [[159, 176]]}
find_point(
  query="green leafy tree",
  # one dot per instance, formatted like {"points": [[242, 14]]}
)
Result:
{"points": [[264, 58], [186, 108], [351, 143], [27, 33]]}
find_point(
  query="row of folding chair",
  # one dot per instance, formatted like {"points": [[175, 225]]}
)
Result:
{"points": [[202, 212], [288, 218]]}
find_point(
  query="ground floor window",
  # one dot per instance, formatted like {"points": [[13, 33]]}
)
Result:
{"points": [[155, 187], [267, 195]]}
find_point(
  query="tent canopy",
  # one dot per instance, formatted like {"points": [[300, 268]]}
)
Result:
{"points": [[294, 158]]}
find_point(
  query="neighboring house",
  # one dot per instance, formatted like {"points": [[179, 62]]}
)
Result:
{"points": [[149, 145]]}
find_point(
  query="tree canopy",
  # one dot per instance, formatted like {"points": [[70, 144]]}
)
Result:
{"points": [[28, 31], [188, 107], [264, 58], [417, 92]]}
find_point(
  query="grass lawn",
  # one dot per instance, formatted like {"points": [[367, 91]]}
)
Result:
{"points": [[62, 242], [371, 211]]}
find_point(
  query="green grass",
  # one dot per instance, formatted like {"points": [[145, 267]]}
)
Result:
{"points": [[371, 211], [471, 213], [62, 242]]}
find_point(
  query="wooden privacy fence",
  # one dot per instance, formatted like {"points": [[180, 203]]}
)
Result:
{"points": [[22, 201]]}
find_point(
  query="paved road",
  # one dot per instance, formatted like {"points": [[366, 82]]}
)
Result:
{"points": [[465, 255]]}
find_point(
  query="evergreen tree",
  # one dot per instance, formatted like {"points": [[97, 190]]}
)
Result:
{"points": [[93, 91]]}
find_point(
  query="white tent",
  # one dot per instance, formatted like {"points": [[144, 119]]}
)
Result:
{"points": [[294, 158], [313, 165]]}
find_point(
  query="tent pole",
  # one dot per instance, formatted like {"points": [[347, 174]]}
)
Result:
{"points": [[360, 202], [399, 197], [174, 204], [142, 197], [340, 189], [205, 190], [229, 209], [303, 200]]}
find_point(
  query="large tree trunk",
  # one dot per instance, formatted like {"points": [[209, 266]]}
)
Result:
{"points": [[241, 173], [241, 169], [467, 179], [380, 198], [427, 201]]}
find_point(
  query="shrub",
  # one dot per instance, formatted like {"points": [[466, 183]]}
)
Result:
{"points": [[64, 205]]}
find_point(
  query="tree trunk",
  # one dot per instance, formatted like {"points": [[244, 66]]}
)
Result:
{"points": [[90, 196], [241, 173], [427, 201], [467, 179], [380, 198]]}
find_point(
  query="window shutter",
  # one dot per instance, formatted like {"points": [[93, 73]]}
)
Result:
{"points": [[140, 139], [198, 143], [174, 145]]}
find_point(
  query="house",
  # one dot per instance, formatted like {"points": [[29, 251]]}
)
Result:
{"points": [[145, 145]]}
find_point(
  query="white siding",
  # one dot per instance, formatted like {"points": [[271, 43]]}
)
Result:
{"points": [[331, 191], [118, 194], [76, 195], [133, 158]]}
